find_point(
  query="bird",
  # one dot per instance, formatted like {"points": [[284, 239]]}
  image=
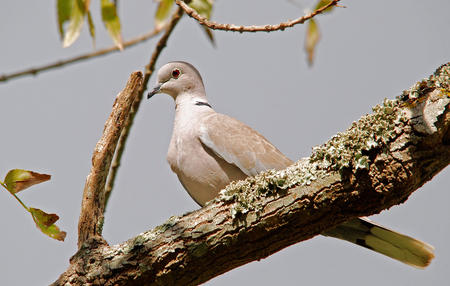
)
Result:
{"points": [[208, 150]]}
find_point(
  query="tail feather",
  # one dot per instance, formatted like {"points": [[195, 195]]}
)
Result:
{"points": [[398, 246]]}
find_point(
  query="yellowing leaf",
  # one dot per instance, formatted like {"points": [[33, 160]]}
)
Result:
{"points": [[17, 180], [312, 38], [77, 14], [313, 33], [112, 22], [210, 35], [44, 218], [322, 3], [45, 222], [162, 12], [204, 8], [64, 9], [91, 27]]}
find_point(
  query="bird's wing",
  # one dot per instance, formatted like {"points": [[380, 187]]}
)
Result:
{"points": [[240, 145]]}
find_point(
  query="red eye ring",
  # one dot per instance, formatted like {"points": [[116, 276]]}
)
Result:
{"points": [[176, 73]]}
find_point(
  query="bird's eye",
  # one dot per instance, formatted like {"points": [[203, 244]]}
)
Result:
{"points": [[176, 73]]}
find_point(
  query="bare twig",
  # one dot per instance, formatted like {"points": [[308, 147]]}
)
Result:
{"points": [[149, 68], [266, 28], [92, 207], [61, 63]]}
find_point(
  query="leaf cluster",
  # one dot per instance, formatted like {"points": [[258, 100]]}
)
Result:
{"points": [[17, 180], [74, 12]]}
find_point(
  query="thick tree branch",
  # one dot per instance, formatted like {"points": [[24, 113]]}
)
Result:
{"points": [[61, 63], [265, 28], [91, 218], [375, 164]]}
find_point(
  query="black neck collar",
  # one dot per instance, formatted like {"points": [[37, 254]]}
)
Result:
{"points": [[203, 103]]}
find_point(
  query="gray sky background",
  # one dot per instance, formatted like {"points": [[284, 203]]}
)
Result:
{"points": [[51, 123]]}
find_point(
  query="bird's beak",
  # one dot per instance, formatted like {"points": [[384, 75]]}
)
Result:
{"points": [[155, 90]]}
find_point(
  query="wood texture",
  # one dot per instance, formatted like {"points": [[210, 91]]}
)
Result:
{"points": [[93, 203]]}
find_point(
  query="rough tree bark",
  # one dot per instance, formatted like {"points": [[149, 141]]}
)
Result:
{"points": [[377, 163]]}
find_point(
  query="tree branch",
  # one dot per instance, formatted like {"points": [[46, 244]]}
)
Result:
{"points": [[375, 164], [91, 218], [61, 63], [266, 28], [149, 68], [191, 12]]}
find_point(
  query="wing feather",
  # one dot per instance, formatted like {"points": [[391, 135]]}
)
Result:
{"points": [[240, 145]]}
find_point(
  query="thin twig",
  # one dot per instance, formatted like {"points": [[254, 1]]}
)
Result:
{"points": [[149, 68], [61, 63], [266, 28], [92, 207]]}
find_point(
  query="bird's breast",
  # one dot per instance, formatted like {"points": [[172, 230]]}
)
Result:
{"points": [[200, 171]]}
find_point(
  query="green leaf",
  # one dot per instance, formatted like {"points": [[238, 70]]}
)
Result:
{"points": [[313, 33], [46, 223], [77, 14], [312, 38], [112, 22], [64, 9], [162, 12], [91, 27], [204, 9], [210, 35], [322, 3], [17, 180]]}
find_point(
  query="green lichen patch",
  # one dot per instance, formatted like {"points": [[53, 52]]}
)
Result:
{"points": [[439, 80], [442, 77], [246, 194], [426, 100], [350, 148]]}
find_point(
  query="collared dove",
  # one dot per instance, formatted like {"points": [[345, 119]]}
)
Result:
{"points": [[208, 150]]}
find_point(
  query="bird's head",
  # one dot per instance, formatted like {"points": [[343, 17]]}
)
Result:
{"points": [[177, 78]]}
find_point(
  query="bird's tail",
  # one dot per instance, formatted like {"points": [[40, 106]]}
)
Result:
{"points": [[398, 246]]}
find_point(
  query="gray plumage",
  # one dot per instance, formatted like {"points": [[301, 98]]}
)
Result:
{"points": [[208, 150]]}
